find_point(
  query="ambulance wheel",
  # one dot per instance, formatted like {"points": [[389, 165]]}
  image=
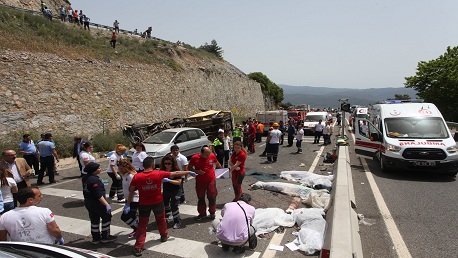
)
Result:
{"points": [[383, 166]]}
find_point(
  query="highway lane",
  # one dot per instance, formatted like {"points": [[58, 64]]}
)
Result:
{"points": [[194, 239], [421, 206]]}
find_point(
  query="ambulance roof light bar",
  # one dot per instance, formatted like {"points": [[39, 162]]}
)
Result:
{"points": [[399, 101]]}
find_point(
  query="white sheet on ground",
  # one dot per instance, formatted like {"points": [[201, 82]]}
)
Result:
{"points": [[307, 178], [268, 219], [318, 199], [286, 188], [313, 226]]}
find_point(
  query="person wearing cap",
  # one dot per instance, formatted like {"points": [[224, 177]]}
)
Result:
{"points": [[218, 146], [274, 142], [227, 149], [96, 204], [29, 151], [47, 151]]}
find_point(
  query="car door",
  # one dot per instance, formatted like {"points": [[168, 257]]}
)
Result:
{"points": [[195, 142], [368, 139], [182, 140]]}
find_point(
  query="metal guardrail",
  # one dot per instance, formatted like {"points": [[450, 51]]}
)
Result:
{"points": [[92, 24], [342, 237]]}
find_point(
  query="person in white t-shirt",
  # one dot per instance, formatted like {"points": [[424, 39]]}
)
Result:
{"points": [[113, 172], [138, 156], [318, 131], [182, 162], [29, 223], [227, 149], [327, 133], [274, 142], [86, 156], [130, 218], [299, 136], [8, 187]]}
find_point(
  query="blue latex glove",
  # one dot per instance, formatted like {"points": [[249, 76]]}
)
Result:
{"points": [[108, 207], [191, 173], [165, 180], [59, 241], [126, 208]]}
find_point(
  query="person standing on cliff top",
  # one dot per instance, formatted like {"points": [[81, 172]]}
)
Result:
{"points": [[116, 26]]}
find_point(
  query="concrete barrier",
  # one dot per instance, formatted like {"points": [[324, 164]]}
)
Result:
{"points": [[342, 237]]}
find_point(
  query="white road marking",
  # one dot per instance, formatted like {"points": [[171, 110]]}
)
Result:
{"points": [[179, 247], [275, 240], [398, 242], [316, 160]]}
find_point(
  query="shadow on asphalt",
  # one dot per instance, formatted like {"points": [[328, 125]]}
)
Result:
{"points": [[74, 204]]}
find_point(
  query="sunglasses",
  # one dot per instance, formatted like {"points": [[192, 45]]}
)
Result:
{"points": [[167, 163]]}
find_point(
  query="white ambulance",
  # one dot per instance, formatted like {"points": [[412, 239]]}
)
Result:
{"points": [[407, 136]]}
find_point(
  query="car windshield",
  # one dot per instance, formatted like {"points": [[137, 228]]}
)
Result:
{"points": [[424, 128], [160, 138], [314, 118]]}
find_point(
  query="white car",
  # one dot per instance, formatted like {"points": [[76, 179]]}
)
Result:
{"points": [[190, 140], [32, 250]]}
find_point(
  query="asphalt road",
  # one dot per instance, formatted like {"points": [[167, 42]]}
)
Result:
{"points": [[193, 239], [422, 209]]}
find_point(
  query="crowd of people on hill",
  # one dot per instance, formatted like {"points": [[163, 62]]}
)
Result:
{"points": [[79, 18]]}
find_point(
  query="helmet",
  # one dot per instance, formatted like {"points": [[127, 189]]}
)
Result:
{"points": [[275, 124]]}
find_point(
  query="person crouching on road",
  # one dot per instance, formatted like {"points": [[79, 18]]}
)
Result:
{"points": [[128, 172], [233, 230], [116, 186], [171, 190], [202, 163], [149, 186], [238, 158], [96, 204]]}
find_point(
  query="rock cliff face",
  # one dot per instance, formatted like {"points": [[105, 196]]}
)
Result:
{"points": [[54, 5], [45, 92]]}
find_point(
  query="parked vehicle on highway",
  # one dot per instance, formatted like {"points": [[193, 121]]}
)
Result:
{"points": [[189, 140], [311, 119], [409, 136], [268, 117], [32, 250]]}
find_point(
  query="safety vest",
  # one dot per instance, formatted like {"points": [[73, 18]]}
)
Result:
{"points": [[260, 128], [237, 133], [217, 142]]}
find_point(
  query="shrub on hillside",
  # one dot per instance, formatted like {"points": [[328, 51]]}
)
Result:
{"points": [[107, 142]]}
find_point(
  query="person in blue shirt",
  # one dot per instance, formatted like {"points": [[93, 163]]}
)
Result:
{"points": [[29, 152], [47, 151]]}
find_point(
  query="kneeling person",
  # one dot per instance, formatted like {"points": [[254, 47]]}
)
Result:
{"points": [[232, 230]]}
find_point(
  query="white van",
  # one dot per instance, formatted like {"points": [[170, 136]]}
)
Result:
{"points": [[408, 136], [311, 119]]}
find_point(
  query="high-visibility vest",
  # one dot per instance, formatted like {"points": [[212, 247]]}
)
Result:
{"points": [[217, 142], [237, 132]]}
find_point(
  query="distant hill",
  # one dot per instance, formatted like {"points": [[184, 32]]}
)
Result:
{"points": [[319, 97]]}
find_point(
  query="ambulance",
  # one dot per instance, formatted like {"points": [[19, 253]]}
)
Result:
{"points": [[407, 136]]}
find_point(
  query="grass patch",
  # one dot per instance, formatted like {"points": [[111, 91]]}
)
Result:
{"points": [[33, 33]]}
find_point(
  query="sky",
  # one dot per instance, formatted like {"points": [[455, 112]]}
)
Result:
{"points": [[321, 43]]}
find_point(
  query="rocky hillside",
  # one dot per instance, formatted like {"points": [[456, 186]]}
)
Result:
{"points": [[57, 77]]}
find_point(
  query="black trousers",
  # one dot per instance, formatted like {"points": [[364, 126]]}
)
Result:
{"points": [[290, 139], [272, 151], [79, 163], [131, 218], [116, 187], [32, 161], [317, 136], [98, 211], [20, 185], [46, 163]]}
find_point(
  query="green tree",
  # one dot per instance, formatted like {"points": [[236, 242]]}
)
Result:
{"points": [[213, 48], [401, 97], [268, 87], [437, 82]]}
